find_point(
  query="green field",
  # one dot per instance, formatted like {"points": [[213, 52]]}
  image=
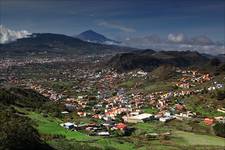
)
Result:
{"points": [[50, 126], [157, 86], [179, 139], [198, 139], [128, 84]]}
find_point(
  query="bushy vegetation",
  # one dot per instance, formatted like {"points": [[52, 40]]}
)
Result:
{"points": [[219, 129], [16, 132], [220, 94], [164, 72], [203, 105], [64, 144]]}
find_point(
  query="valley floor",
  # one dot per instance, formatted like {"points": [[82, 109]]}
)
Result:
{"points": [[182, 105], [179, 140]]}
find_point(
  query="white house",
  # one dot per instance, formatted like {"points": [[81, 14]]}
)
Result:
{"points": [[68, 125], [103, 133]]}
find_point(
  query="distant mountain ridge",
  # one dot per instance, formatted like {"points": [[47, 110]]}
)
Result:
{"points": [[92, 36], [58, 43]]}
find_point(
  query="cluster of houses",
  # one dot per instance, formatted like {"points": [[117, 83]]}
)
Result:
{"points": [[125, 108], [192, 77], [97, 97], [100, 129], [113, 105]]}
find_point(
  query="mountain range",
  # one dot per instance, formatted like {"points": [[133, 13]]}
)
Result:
{"points": [[94, 37], [58, 43], [88, 42], [92, 43]]}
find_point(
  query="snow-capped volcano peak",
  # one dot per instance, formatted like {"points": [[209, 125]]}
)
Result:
{"points": [[7, 35]]}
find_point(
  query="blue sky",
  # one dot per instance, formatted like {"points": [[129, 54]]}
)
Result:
{"points": [[116, 18]]}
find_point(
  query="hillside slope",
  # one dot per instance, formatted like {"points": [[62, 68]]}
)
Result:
{"points": [[148, 60]]}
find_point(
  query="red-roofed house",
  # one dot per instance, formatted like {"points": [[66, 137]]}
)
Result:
{"points": [[121, 126], [208, 121]]}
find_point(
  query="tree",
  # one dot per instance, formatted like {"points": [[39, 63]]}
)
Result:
{"points": [[220, 94]]}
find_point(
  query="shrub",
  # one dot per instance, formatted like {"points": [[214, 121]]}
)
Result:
{"points": [[219, 129], [220, 94], [16, 132]]}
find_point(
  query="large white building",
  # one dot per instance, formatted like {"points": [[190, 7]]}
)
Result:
{"points": [[138, 118]]}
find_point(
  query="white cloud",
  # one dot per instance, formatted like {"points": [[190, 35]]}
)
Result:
{"points": [[181, 38], [116, 26], [142, 41], [177, 42], [7, 35], [176, 38]]}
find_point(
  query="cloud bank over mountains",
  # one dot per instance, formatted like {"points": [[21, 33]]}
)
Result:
{"points": [[177, 38], [172, 42], [197, 40], [177, 42], [7, 35]]}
